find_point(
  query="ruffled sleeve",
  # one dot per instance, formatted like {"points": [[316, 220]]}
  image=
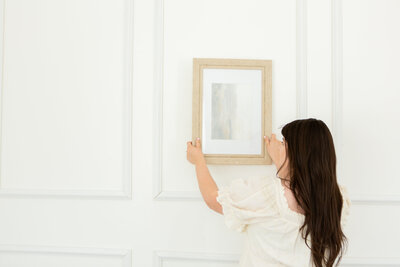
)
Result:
{"points": [[247, 201], [346, 205]]}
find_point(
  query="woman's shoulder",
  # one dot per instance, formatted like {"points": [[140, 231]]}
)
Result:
{"points": [[243, 187], [249, 200], [253, 190]]}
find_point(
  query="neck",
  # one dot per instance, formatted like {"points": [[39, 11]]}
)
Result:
{"points": [[284, 174]]}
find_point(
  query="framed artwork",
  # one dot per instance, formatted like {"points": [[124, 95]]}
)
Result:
{"points": [[232, 109]]}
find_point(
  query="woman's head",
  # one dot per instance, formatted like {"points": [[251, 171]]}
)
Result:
{"points": [[311, 157]]}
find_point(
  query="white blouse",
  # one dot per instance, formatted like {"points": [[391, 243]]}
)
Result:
{"points": [[258, 208]]}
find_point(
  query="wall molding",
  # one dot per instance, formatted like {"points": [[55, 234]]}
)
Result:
{"points": [[369, 199], [158, 98], [369, 261], [337, 103], [337, 73], [158, 191], [161, 256], [178, 195], [301, 59], [124, 254], [301, 77], [126, 191]]}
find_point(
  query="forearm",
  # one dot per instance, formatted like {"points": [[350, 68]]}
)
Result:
{"points": [[207, 186]]}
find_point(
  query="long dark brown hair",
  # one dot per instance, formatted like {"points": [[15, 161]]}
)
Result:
{"points": [[312, 179]]}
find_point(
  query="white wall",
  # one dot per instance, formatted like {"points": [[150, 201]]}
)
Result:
{"points": [[96, 112]]}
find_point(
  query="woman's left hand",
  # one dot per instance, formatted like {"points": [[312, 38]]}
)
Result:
{"points": [[193, 153], [276, 150]]}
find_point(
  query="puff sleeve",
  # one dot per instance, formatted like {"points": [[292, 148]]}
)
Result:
{"points": [[346, 205], [247, 201]]}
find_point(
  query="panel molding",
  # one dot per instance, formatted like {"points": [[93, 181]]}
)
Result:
{"points": [[177, 195], [301, 75], [301, 97], [126, 191], [301, 59], [337, 102], [58, 193], [158, 100], [337, 73], [124, 254], [372, 262], [161, 256], [370, 199]]}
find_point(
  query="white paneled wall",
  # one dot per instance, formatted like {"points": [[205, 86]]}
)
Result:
{"points": [[56, 256], [207, 33], [369, 115], [371, 97], [66, 87], [96, 110]]}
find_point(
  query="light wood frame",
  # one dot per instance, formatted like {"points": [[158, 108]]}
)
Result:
{"points": [[199, 64]]}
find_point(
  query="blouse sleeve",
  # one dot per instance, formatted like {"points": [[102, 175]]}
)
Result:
{"points": [[247, 201], [346, 205]]}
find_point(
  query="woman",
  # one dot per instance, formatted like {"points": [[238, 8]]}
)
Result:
{"points": [[295, 218]]}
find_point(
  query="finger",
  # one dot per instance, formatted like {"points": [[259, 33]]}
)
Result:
{"points": [[198, 142], [266, 138], [189, 143]]}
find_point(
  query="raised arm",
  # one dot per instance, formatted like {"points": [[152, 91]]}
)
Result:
{"points": [[207, 185]]}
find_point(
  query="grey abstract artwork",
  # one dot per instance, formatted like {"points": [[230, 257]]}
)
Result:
{"points": [[230, 117]]}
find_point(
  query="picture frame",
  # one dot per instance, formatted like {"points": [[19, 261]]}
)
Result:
{"points": [[232, 109]]}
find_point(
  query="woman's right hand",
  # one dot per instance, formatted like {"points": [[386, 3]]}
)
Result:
{"points": [[276, 150]]}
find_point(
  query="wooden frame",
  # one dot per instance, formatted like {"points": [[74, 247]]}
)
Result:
{"points": [[202, 67]]}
